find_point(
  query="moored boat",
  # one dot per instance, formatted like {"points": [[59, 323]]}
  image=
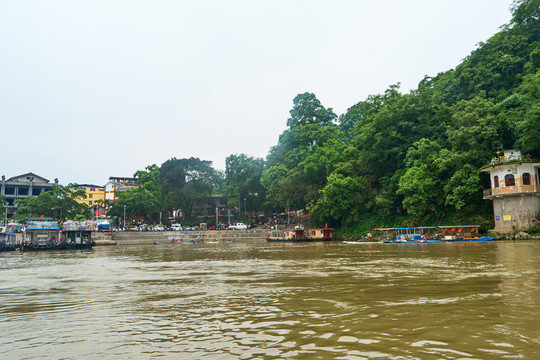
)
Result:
{"points": [[299, 234], [77, 235], [8, 236], [180, 240], [41, 233], [431, 234]]}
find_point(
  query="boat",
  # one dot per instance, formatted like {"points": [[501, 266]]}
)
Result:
{"points": [[41, 233], [181, 240], [77, 235], [299, 234], [355, 242], [218, 242], [175, 243], [8, 236], [431, 234]]}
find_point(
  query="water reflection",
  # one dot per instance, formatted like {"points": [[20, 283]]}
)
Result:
{"points": [[273, 301]]}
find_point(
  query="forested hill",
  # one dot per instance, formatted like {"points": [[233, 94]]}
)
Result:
{"points": [[414, 158]]}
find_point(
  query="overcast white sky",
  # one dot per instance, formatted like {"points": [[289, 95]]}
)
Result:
{"points": [[92, 89]]}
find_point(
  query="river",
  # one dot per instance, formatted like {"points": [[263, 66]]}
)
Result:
{"points": [[273, 301]]}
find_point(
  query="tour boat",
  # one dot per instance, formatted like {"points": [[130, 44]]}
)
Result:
{"points": [[40, 233], [8, 236], [431, 234], [182, 240], [77, 235], [299, 234]]}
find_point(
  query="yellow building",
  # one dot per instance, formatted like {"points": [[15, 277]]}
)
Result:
{"points": [[93, 194]]}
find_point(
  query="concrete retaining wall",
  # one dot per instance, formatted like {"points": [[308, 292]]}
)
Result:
{"points": [[149, 237]]}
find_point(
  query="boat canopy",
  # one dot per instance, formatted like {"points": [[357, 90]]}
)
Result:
{"points": [[429, 227]]}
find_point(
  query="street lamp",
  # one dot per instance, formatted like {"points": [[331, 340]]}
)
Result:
{"points": [[6, 206], [245, 213], [124, 217]]}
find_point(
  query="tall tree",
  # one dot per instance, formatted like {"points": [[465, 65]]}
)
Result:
{"points": [[287, 177], [60, 203], [243, 180], [184, 181]]}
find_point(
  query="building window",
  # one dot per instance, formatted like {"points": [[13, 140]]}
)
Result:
{"points": [[90, 196], [89, 203], [496, 181], [92, 189], [526, 177], [509, 180]]}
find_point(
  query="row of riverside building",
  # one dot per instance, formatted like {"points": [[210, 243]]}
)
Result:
{"points": [[30, 184]]}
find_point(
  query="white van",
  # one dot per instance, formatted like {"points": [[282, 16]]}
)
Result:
{"points": [[176, 227]]}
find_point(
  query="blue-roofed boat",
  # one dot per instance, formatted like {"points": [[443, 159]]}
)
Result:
{"points": [[431, 234], [8, 236], [41, 233]]}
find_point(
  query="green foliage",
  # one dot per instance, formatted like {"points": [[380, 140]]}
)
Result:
{"points": [[526, 12], [307, 110], [529, 124], [421, 184], [137, 202], [149, 180], [341, 196], [60, 203], [3, 201], [243, 180], [185, 181], [298, 166]]}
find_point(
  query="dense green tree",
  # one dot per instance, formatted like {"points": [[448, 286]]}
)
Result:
{"points": [[474, 129], [243, 180], [463, 188], [308, 110], [526, 12], [421, 184], [3, 201], [185, 181], [149, 179], [60, 203], [292, 177], [529, 124], [137, 202]]}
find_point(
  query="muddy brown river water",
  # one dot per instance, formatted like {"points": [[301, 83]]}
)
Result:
{"points": [[273, 301]]}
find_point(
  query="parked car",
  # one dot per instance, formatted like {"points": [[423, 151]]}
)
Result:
{"points": [[238, 226], [176, 227], [159, 228]]}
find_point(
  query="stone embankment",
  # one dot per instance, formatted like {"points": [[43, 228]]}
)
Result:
{"points": [[516, 235], [149, 237]]}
